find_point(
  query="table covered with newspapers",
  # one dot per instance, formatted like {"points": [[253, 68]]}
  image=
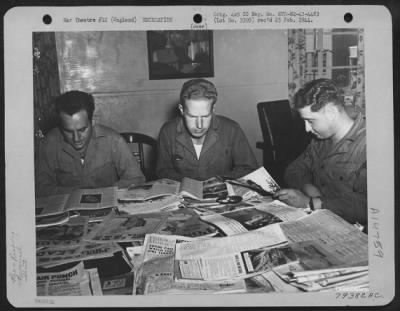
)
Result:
{"points": [[167, 237]]}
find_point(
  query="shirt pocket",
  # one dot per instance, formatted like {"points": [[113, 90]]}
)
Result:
{"points": [[344, 172], [66, 174], [104, 175]]}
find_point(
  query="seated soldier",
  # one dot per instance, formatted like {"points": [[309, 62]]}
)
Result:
{"points": [[199, 144], [81, 154], [332, 172]]}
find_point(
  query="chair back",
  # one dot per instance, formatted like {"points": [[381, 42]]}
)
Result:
{"points": [[146, 159], [283, 133]]}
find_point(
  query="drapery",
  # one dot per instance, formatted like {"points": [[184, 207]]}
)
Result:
{"points": [[296, 61]]}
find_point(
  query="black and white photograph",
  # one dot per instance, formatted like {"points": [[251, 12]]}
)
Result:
{"points": [[119, 103]]}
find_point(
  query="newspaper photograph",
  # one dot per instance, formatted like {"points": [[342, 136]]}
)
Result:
{"points": [[132, 63]]}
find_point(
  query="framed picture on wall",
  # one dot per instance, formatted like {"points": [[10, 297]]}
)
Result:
{"points": [[177, 54]]}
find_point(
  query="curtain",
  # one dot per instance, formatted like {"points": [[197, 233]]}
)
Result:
{"points": [[46, 83], [359, 85], [296, 61]]}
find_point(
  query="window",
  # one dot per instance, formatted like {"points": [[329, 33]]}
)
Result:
{"points": [[335, 54]]}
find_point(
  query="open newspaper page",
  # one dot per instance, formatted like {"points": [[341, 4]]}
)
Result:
{"points": [[323, 241], [159, 204], [65, 235], [245, 216], [150, 190], [71, 282], [125, 228], [208, 190], [186, 222], [229, 266], [266, 236], [223, 258], [326, 228]]}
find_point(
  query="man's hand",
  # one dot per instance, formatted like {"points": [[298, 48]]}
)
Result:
{"points": [[293, 197], [311, 190]]}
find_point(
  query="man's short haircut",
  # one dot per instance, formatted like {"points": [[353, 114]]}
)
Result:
{"points": [[197, 89], [74, 101], [317, 94]]}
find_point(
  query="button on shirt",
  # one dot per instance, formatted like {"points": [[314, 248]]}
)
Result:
{"points": [[108, 162], [340, 173], [225, 151]]}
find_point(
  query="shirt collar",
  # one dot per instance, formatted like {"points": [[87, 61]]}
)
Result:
{"points": [[357, 127]]}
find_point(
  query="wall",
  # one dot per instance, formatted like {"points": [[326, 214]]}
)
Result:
{"points": [[249, 67]]}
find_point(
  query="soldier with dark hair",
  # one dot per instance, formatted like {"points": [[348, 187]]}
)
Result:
{"points": [[332, 172], [82, 154]]}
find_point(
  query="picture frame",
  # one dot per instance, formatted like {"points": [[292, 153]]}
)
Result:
{"points": [[180, 54]]}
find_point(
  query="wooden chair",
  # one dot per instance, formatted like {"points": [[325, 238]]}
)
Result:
{"points": [[284, 136], [146, 160]]}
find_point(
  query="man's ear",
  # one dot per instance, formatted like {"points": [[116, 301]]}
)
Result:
{"points": [[331, 111], [180, 108]]}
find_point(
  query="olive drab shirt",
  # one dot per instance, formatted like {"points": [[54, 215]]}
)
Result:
{"points": [[108, 162], [340, 173], [225, 151]]}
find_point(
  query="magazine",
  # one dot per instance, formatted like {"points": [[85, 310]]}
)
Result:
{"points": [[80, 199], [258, 181]]}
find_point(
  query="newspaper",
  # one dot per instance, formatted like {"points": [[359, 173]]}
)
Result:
{"points": [[260, 180], [267, 236], [147, 191], [228, 266], [227, 225], [227, 257], [68, 234], [207, 287], [71, 282], [48, 257], [51, 220], [331, 234], [186, 222], [80, 199], [159, 204], [95, 284], [125, 228], [320, 225], [252, 214], [199, 190], [277, 208], [156, 272]]}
